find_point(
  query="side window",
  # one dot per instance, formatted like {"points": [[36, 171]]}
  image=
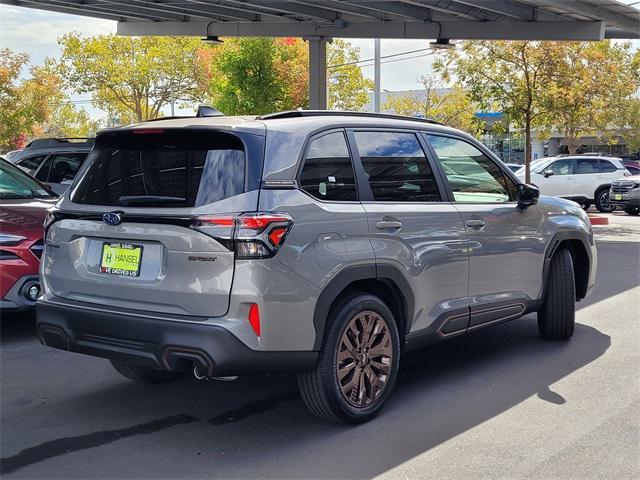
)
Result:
{"points": [[31, 164], [64, 167], [561, 167], [327, 173], [397, 167], [586, 165], [607, 167], [472, 176], [43, 173]]}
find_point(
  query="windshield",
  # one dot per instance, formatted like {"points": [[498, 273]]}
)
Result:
{"points": [[537, 166], [15, 184], [158, 168]]}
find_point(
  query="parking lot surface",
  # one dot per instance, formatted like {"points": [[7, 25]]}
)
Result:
{"points": [[498, 403]]}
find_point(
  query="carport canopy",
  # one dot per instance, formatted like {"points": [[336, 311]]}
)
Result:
{"points": [[320, 20]]}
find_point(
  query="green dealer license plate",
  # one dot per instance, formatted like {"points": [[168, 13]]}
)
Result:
{"points": [[121, 259], [617, 196]]}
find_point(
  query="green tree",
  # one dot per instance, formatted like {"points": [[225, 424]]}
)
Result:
{"points": [[25, 104], [514, 75], [629, 124], [67, 121], [451, 106], [348, 88], [132, 77], [244, 79], [261, 75], [592, 89]]}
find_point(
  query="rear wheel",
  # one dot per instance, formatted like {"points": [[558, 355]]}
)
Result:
{"points": [[632, 210], [556, 320], [585, 205], [142, 374], [602, 201], [358, 363]]}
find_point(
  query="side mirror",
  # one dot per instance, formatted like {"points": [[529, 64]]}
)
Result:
{"points": [[547, 173], [527, 195]]}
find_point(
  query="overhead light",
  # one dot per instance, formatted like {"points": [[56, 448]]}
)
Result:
{"points": [[212, 39], [442, 44]]}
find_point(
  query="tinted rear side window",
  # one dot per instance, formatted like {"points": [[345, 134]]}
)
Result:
{"points": [[397, 167], [586, 166], [31, 164], [172, 168], [327, 173], [607, 167]]}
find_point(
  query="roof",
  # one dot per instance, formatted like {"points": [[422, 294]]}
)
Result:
{"points": [[302, 122], [455, 19]]}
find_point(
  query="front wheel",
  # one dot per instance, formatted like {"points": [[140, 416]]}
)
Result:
{"points": [[358, 363], [602, 201], [142, 374], [556, 320]]}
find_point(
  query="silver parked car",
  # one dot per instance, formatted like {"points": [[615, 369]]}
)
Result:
{"points": [[625, 193], [53, 161], [322, 243]]}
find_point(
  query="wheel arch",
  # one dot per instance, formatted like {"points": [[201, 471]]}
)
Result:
{"points": [[578, 245], [604, 186], [383, 281]]}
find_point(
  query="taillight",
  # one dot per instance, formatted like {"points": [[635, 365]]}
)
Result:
{"points": [[255, 235]]}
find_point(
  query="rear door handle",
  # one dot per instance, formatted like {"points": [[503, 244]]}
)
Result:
{"points": [[388, 224], [474, 223]]}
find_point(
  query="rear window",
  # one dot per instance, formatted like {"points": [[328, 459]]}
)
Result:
{"points": [[160, 168]]}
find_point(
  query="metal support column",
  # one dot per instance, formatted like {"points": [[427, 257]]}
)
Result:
{"points": [[376, 75], [318, 72]]}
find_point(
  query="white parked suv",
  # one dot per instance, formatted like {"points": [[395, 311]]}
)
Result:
{"points": [[582, 178]]}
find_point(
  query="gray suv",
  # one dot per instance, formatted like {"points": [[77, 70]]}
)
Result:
{"points": [[322, 243]]}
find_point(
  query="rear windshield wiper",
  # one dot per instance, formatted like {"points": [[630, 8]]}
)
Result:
{"points": [[146, 200]]}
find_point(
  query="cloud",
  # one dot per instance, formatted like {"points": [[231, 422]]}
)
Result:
{"points": [[36, 32]]}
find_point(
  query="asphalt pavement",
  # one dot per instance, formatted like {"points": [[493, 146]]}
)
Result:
{"points": [[498, 403]]}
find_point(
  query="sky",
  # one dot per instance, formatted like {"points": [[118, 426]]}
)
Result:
{"points": [[36, 32]]}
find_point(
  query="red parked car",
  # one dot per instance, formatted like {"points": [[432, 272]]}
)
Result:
{"points": [[23, 204]]}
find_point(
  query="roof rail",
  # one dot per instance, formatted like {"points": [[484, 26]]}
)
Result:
{"points": [[56, 142], [336, 113]]}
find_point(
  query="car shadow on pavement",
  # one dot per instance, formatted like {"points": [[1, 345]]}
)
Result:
{"points": [[257, 427]]}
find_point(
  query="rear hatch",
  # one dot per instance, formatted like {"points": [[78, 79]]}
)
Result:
{"points": [[128, 236]]}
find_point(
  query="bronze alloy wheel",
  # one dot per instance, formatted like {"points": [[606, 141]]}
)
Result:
{"points": [[364, 359]]}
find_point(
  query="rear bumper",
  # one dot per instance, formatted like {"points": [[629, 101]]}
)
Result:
{"points": [[158, 343]]}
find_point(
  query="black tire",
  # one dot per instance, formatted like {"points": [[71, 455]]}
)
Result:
{"points": [[142, 374], [585, 205], [602, 201], [320, 388], [632, 211], [556, 319]]}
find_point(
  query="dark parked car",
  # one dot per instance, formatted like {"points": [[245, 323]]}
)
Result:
{"points": [[23, 205], [53, 161], [625, 193]]}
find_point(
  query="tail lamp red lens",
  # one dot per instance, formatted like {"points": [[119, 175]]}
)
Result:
{"points": [[254, 318], [255, 235]]}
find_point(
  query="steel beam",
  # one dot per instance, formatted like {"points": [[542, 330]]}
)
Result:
{"points": [[317, 72], [580, 31]]}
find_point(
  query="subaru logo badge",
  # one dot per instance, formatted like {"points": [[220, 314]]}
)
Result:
{"points": [[112, 218]]}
